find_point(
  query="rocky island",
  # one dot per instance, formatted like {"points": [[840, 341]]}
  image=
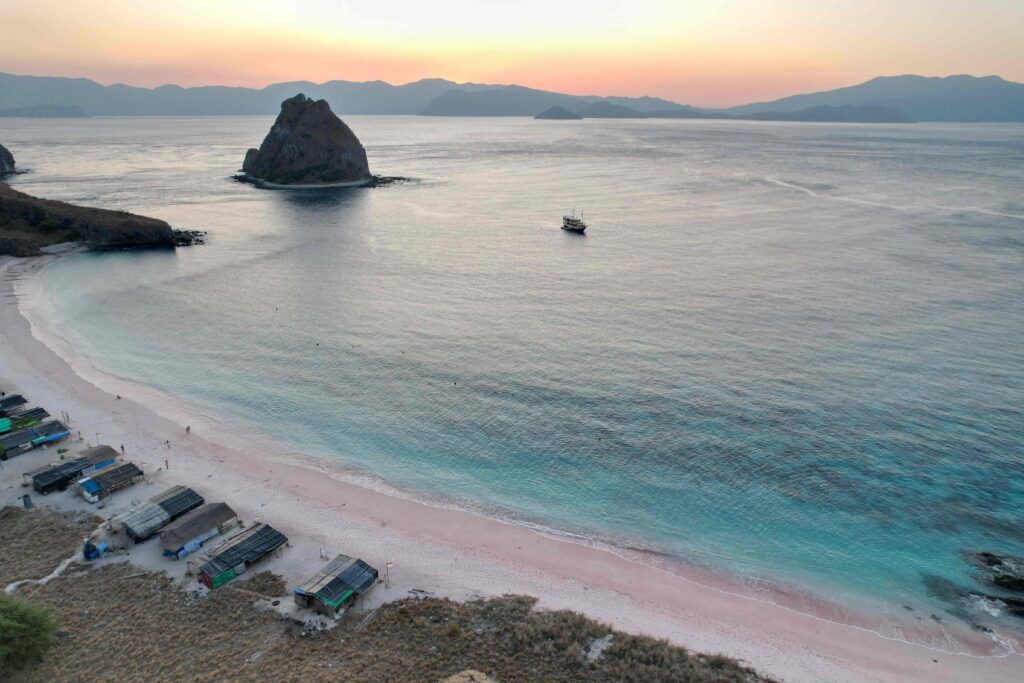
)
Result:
{"points": [[308, 146], [559, 113]]}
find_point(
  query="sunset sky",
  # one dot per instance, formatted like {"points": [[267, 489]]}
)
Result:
{"points": [[698, 52]]}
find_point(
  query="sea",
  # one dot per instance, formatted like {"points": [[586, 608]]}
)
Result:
{"points": [[787, 355]]}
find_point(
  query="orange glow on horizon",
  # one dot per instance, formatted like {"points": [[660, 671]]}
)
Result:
{"points": [[700, 53]]}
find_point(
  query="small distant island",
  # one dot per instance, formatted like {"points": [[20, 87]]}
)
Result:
{"points": [[558, 113], [308, 146], [45, 111], [818, 114]]}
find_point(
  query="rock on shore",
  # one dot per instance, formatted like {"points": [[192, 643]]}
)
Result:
{"points": [[308, 145], [6, 162]]}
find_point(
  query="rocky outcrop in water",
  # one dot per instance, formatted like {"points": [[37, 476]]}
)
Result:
{"points": [[1003, 571], [307, 145], [6, 162], [27, 224]]}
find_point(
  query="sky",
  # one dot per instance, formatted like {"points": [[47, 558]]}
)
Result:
{"points": [[700, 52]]}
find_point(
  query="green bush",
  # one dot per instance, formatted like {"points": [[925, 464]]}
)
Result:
{"points": [[26, 633]]}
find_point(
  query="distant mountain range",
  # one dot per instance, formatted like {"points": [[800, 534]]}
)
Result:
{"points": [[889, 99], [953, 98]]}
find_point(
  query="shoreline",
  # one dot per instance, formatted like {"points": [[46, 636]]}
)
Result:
{"points": [[267, 185], [448, 551]]}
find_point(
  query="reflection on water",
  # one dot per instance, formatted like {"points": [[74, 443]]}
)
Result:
{"points": [[789, 352]]}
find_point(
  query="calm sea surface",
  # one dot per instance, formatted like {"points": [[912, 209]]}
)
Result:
{"points": [[790, 353]]}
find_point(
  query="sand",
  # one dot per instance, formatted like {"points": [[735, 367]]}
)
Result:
{"points": [[445, 551]]}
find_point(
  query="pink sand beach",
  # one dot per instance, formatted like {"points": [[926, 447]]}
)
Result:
{"points": [[433, 548]]}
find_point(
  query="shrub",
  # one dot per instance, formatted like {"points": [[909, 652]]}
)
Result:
{"points": [[26, 633]]}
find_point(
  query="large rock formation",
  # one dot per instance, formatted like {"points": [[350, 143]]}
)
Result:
{"points": [[28, 223], [6, 162], [308, 145]]}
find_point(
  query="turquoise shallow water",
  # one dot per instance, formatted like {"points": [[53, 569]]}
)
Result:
{"points": [[788, 353]]}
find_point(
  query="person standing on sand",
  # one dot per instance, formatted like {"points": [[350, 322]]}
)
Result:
{"points": [[122, 449], [188, 430]]}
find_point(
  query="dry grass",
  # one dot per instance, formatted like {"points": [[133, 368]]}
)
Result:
{"points": [[34, 542], [265, 583], [116, 625]]}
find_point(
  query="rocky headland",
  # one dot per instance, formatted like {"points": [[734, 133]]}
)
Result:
{"points": [[6, 162], [307, 146], [28, 224]]}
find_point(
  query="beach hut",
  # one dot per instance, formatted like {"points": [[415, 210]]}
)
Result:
{"points": [[146, 520], [49, 432], [235, 555], [9, 405], [22, 420], [58, 476], [108, 481], [187, 534], [338, 585], [98, 457], [15, 443]]}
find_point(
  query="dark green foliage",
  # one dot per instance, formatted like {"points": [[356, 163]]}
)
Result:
{"points": [[26, 633]]}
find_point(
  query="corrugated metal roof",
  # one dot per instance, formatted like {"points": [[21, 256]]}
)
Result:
{"points": [[210, 516], [115, 475], [48, 428], [31, 414], [11, 401], [145, 520], [355, 577], [58, 474], [341, 577], [178, 500], [246, 547], [311, 585], [16, 439]]}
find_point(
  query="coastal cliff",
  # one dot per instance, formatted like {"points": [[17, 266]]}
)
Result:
{"points": [[27, 224], [6, 162], [307, 145]]}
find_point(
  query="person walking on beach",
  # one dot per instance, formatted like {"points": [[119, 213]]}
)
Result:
{"points": [[188, 430], [167, 443], [122, 449]]}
